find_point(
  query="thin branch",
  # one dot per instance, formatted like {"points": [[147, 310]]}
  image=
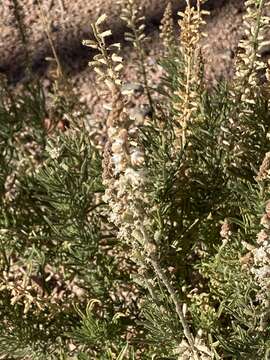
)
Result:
{"points": [[163, 277]]}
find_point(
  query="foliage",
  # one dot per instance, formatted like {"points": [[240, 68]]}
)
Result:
{"points": [[155, 246]]}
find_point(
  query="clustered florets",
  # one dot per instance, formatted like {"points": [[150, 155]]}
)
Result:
{"points": [[191, 22], [264, 171], [124, 177], [225, 231], [123, 159], [167, 29], [36, 292], [261, 255], [249, 63]]}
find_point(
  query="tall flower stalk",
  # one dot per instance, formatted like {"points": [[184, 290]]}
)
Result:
{"points": [[188, 92], [126, 181], [136, 36], [248, 62]]}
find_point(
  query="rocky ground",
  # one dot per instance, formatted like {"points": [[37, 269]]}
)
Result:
{"points": [[69, 23]]}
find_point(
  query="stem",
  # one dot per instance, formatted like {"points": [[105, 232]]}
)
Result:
{"points": [[163, 277], [151, 257], [46, 28], [143, 71]]}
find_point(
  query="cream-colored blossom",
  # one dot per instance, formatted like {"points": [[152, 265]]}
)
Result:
{"points": [[137, 158]]}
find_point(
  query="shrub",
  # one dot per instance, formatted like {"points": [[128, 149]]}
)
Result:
{"points": [[154, 244]]}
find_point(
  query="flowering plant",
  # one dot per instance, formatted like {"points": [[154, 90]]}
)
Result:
{"points": [[151, 240]]}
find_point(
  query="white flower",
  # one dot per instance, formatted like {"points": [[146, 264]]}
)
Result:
{"points": [[112, 131], [133, 176], [53, 152], [119, 163], [101, 19], [105, 33], [260, 255], [116, 58], [137, 158], [262, 236], [117, 145], [265, 221], [107, 196], [262, 274]]}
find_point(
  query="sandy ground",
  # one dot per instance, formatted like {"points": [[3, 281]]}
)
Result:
{"points": [[69, 23], [224, 31]]}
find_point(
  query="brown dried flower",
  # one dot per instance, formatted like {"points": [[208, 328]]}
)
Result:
{"points": [[191, 22], [225, 231], [167, 28], [264, 171]]}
